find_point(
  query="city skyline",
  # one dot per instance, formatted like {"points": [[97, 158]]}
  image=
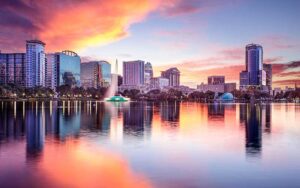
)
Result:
{"points": [[197, 37]]}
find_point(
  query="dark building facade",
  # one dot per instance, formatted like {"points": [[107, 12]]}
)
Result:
{"points": [[268, 70], [12, 68], [216, 80], [173, 74]]}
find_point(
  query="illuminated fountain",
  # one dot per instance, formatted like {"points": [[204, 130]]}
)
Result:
{"points": [[111, 95]]}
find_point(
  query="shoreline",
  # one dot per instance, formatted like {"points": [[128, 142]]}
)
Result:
{"points": [[143, 100]]}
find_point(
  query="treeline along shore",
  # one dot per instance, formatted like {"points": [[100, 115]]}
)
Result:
{"points": [[65, 92]]}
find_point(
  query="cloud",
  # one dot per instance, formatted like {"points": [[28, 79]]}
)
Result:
{"points": [[179, 7], [278, 42], [197, 71], [289, 82], [273, 60], [69, 24], [233, 53], [171, 8]]}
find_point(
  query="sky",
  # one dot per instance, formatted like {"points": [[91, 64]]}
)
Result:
{"points": [[199, 37]]}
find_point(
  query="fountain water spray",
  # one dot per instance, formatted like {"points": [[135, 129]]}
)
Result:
{"points": [[112, 94]]}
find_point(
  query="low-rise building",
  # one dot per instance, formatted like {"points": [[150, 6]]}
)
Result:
{"points": [[276, 91], [216, 84], [159, 82]]}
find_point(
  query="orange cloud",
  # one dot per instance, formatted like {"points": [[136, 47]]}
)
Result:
{"points": [[97, 22], [70, 24]]}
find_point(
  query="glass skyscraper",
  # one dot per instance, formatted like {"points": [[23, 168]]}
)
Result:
{"points": [[254, 75], [35, 63], [254, 64], [62, 68], [68, 68]]}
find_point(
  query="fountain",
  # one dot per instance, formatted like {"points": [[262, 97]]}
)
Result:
{"points": [[111, 94]]}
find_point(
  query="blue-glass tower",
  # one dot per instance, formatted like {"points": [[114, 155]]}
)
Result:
{"points": [[254, 64]]}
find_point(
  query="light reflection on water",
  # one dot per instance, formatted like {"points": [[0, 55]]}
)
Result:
{"points": [[96, 144]]}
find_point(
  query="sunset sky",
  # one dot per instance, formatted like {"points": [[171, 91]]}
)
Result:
{"points": [[199, 37]]}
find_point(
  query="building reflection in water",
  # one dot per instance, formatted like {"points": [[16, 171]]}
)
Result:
{"points": [[253, 129], [98, 120], [256, 117], [12, 121], [133, 119], [169, 113], [67, 119], [216, 111], [267, 111], [35, 128], [148, 118]]}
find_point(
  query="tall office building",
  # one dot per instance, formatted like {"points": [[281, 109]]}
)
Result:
{"points": [[68, 68], [62, 68], [216, 80], [133, 73], [268, 69], [173, 74], [148, 73], [254, 64], [95, 74], [12, 68], [254, 75], [51, 71], [35, 63]]}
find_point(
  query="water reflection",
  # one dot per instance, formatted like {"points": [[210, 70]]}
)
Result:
{"points": [[216, 111], [35, 129], [255, 118], [253, 129], [64, 137]]}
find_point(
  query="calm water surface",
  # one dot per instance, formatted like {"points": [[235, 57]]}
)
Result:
{"points": [[96, 144]]}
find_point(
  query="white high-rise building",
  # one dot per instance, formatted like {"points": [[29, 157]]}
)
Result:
{"points": [[133, 73], [35, 63], [51, 71]]}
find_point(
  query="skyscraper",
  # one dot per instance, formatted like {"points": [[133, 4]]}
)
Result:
{"points": [[68, 68], [133, 73], [51, 71], [268, 70], [254, 64], [35, 63], [12, 69], [173, 74], [62, 68], [254, 75], [95, 74], [148, 73]]}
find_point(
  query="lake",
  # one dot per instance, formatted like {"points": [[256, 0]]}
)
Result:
{"points": [[143, 144]]}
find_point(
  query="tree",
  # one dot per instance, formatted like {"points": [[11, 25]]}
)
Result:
{"points": [[196, 95]]}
